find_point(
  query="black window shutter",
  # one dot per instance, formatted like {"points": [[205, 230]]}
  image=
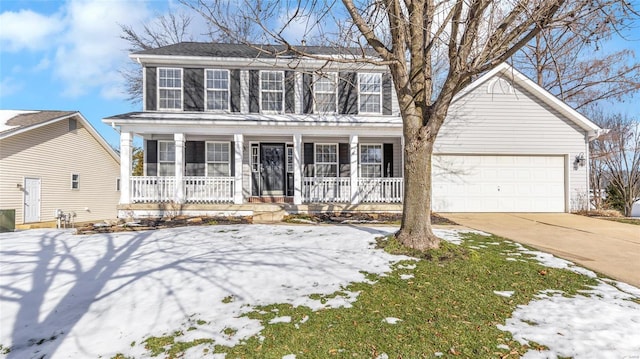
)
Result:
{"points": [[308, 159], [308, 154], [190, 152], [307, 93], [151, 157], [150, 89], [386, 94], [193, 89], [343, 154], [254, 91], [234, 87], [348, 93], [232, 158], [289, 92], [388, 160], [344, 160]]}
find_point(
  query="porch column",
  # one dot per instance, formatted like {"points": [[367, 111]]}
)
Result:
{"points": [[179, 190], [297, 169], [125, 167], [238, 139], [353, 150]]}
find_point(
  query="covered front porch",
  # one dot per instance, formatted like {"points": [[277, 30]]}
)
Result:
{"points": [[184, 168]]}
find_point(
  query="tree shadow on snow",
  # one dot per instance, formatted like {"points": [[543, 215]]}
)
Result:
{"points": [[173, 266], [55, 264]]}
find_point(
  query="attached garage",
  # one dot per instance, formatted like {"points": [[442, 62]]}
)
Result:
{"points": [[499, 183]]}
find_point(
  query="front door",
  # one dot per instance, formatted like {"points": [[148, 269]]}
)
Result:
{"points": [[31, 200], [273, 167]]}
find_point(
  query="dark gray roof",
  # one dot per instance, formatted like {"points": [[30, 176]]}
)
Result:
{"points": [[25, 120], [208, 49]]}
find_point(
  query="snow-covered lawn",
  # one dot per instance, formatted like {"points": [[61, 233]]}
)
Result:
{"points": [[67, 296]]}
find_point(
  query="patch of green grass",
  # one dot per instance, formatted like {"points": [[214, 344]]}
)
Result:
{"points": [[635, 221], [201, 322], [445, 252], [171, 348], [230, 331], [448, 307], [4, 350], [227, 299]]}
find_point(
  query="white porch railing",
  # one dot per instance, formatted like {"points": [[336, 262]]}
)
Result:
{"points": [[381, 189], [152, 189], [326, 189], [145, 189], [208, 189]]}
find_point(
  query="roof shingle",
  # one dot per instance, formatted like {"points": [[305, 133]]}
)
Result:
{"points": [[207, 49]]}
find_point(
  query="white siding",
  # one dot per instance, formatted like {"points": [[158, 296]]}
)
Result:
{"points": [[515, 123], [52, 153]]}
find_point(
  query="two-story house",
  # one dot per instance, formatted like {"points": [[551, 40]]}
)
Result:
{"points": [[228, 124]]}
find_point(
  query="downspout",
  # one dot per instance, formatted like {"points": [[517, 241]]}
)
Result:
{"points": [[591, 135]]}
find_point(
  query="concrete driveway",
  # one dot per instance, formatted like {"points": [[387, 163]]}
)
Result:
{"points": [[608, 247]]}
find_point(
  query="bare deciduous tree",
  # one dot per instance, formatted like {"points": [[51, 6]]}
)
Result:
{"points": [[572, 63], [411, 38], [163, 30], [615, 158]]}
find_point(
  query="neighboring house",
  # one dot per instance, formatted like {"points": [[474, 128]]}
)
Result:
{"points": [[635, 210], [228, 124], [55, 160]]}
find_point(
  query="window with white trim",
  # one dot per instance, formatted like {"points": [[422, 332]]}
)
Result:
{"points": [[217, 90], [169, 89], [371, 161], [218, 159], [325, 93], [370, 93], [326, 164], [75, 181], [272, 91], [166, 158]]}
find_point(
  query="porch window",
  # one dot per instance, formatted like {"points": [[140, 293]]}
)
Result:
{"points": [[218, 159], [370, 86], [166, 158], [371, 161], [272, 91], [217, 83], [326, 160], [325, 93], [169, 89]]}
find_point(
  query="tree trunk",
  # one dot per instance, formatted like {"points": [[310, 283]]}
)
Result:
{"points": [[415, 231]]}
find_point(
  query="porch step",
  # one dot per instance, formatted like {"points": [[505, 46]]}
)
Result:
{"points": [[267, 217], [271, 199]]}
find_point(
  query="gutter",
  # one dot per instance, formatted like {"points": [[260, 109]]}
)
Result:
{"points": [[594, 134]]}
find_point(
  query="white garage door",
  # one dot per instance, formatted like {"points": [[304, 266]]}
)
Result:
{"points": [[498, 183]]}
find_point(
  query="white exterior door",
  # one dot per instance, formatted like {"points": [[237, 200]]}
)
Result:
{"points": [[31, 200], [498, 183]]}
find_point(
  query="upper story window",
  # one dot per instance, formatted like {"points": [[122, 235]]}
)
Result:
{"points": [[370, 91], [272, 91], [371, 160], [217, 87], [218, 159], [166, 158], [169, 89], [326, 160], [325, 93]]}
